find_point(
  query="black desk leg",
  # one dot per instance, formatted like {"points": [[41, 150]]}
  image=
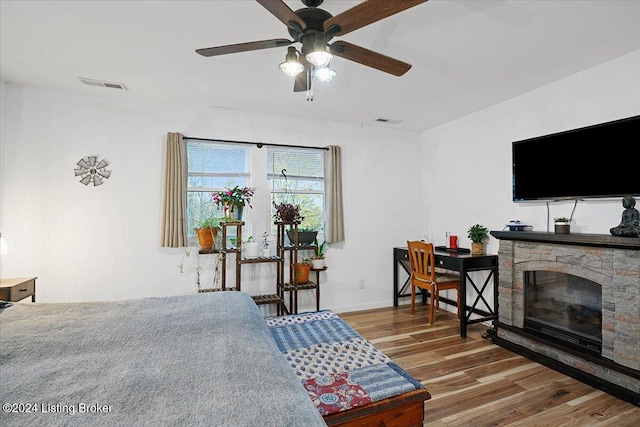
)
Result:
{"points": [[463, 302], [395, 279]]}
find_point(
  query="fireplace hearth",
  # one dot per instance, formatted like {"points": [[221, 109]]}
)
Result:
{"points": [[572, 302]]}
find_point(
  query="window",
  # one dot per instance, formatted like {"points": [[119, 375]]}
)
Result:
{"points": [[214, 166], [304, 183]]}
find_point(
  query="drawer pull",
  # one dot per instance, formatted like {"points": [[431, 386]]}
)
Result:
{"points": [[24, 290]]}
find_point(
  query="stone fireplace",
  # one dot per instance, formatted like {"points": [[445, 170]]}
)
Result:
{"points": [[572, 302]]}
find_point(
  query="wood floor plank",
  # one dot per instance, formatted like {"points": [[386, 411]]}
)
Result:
{"points": [[538, 400], [476, 383], [448, 366], [600, 410], [474, 398]]}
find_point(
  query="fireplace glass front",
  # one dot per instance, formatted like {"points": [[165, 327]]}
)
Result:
{"points": [[565, 309]]}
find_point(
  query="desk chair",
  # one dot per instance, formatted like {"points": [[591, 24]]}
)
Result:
{"points": [[425, 275]]}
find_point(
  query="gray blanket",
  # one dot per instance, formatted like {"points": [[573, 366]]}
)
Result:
{"points": [[205, 359]]}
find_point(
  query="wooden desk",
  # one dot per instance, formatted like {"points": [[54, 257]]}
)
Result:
{"points": [[17, 289], [464, 263]]}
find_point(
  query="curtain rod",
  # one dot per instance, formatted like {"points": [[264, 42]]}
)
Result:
{"points": [[258, 144]]}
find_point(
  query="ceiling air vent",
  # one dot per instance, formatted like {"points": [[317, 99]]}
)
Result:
{"points": [[390, 121], [101, 83]]}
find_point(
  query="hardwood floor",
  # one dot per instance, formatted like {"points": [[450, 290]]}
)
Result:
{"points": [[476, 383]]}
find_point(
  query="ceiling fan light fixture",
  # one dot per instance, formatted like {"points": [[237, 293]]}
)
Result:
{"points": [[324, 74], [319, 56], [291, 67]]}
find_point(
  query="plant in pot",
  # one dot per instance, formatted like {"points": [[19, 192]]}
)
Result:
{"points": [[287, 213], [207, 231], [478, 234], [306, 235], [562, 224], [233, 201], [266, 251], [251, 248], [317, 260], [302, 270]]}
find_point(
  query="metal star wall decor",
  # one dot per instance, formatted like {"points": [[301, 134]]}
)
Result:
{"points": [[92, 170]]}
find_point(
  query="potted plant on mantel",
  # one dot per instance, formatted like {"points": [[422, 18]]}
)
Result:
{"points": [[478, 234], [562, 225], [207, 231]]}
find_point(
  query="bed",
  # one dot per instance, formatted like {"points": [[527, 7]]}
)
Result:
{"points": [[205, 359]]}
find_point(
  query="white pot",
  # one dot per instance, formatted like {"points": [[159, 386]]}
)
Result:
{"points": [[317, 263], [251, 249], [266, 252]]}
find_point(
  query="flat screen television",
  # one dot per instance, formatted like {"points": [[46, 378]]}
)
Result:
{"points": [[599, 161]]}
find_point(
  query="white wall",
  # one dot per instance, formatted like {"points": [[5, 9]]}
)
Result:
{"points": [[467, 163], [102, 243], [478, 149]]}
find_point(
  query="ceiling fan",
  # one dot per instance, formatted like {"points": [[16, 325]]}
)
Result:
{"points": [[314, 28]]}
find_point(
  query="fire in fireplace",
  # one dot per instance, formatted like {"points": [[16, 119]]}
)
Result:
{"points": [[565, 309]]}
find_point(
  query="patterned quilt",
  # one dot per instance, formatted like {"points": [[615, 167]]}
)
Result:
{"points": [[338, 367]]}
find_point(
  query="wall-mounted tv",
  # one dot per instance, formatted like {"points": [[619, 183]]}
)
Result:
{"points": [[599, 161]]}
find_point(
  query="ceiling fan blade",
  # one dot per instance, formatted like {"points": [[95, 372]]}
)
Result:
{"points": [[302, 80], [369, 58], [243, 47], [366, 13], [283, 13]]}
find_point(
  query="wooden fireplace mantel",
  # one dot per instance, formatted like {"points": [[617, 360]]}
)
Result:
{"points": [[581, 239]]}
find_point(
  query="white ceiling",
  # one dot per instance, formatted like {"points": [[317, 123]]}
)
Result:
{"points": [[466, 54]]}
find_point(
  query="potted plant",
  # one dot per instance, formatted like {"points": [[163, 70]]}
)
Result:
{"points": [[287, 212], [317, 260], [478, 234], [251, 248], [207, 231], [233, 201], [306, 235], [562, 225], [266, 251], [302, 270]]}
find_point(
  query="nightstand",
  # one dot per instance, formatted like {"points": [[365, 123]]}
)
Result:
{"points": [[17, 289]]}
